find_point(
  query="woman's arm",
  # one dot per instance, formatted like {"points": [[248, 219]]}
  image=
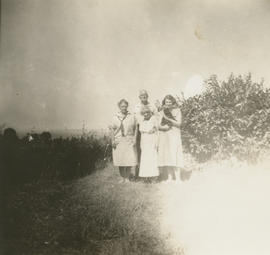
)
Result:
{"points": [[177, 122], [136, 133], [113, 130], [174, 122], [112, 136], [164, 128]]}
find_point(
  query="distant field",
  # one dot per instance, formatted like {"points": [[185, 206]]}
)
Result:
{"points": [[64, 133]]}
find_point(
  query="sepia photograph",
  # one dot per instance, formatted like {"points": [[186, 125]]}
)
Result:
{"points": [[134, 127]]}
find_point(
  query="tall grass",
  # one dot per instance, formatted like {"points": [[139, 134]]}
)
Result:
{"points": [[92, 215], [38, 156]]}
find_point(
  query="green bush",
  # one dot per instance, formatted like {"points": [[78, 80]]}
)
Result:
{"points": [[42, 157], [230, 118]]}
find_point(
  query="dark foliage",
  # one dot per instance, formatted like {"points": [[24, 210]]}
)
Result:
{"points": [[38, 156], [30, 162]]}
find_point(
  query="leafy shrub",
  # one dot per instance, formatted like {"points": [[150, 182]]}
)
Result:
{"points": [[43, 157], [231, 118]]}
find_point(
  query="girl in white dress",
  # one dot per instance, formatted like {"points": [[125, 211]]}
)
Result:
{"points": [[170, 152], [148, 127]]}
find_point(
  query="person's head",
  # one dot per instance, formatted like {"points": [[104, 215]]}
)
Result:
{"points": [[143, 95], [146, 112], [123, 105], [169, 101]]}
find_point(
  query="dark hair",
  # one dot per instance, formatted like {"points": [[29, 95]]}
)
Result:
{"points": [[122, 101], [170, 97]]}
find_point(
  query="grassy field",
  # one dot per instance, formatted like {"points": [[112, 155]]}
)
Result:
{"points": [[93, 215], [222, 209]]}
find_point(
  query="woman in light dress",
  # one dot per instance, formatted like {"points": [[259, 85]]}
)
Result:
{"points": [[170, 153], [144, 101], [148, 127], [123, 134]]}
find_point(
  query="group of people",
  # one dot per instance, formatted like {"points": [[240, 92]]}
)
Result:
{"points": [[147, 141]]}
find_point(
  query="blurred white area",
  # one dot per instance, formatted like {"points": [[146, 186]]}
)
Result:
{"points": [[220, 210], [194, 86]]}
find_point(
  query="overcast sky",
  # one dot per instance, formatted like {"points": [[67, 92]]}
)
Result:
{"points": [[65, 61]]}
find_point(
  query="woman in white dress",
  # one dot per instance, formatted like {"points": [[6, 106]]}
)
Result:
{"points": [[123, 133], [170, 153], [148, 128]]}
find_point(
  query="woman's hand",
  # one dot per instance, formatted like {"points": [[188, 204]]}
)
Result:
{"points": [[152, 131], [114, 144], [134, 141], [165, 128]]}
